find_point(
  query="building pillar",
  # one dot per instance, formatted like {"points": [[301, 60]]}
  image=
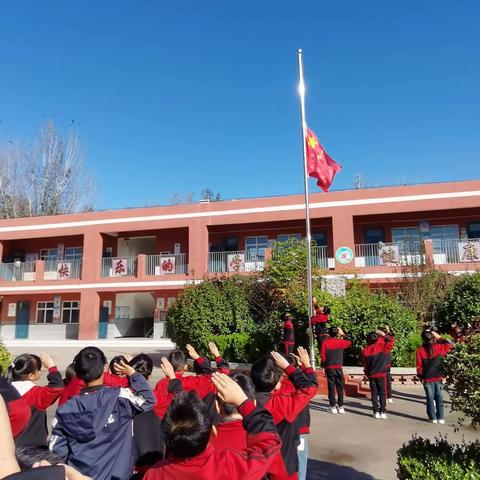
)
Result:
{"points": [[141, 267], [428, 247], [92, 256], [89, 315], [198, 250], [343, 236], [39, 270], [1, 252]]}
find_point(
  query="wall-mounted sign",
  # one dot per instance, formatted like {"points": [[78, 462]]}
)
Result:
{"points": [[12, 309], [167, 265], [63, 270], [119, 267], [344, 255], [57, 307], [388, 255], [161, 303], [469, 251], [236, 262]]}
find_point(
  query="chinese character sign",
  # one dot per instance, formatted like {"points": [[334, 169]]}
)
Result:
{"points": [[63, 270], [119, 266], [167, 265], [469, 251], [388, 255], [236, 262]]}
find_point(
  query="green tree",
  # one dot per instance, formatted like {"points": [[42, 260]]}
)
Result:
{"points": [[5, 358]]}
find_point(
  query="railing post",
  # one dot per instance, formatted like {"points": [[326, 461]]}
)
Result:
{"points": [[39, 270], [428, 247], [141, 266]]}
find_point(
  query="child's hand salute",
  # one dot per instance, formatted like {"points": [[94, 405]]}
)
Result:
{"points": [[124, 369], [303, 357], [167, 368], [281, 362], [192, 352], [229, 390], [213, 349], [47, 361]]}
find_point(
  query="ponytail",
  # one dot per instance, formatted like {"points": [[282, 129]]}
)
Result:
{"points": [[23, 366], [428, 340]]}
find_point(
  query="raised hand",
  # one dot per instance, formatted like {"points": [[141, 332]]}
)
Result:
{"points": [[380, 332], [192, 352], [280, 361], [341, 332], [304, 357], [213, 349], [167, 368], [47, 360], [124, 369], [228, 389]]}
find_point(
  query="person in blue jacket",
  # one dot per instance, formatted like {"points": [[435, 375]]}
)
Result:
{"points": [[92, 432]]}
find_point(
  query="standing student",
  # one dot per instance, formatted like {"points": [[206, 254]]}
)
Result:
{"points": [[319, 323], [332, 361], [388, 358], [375, 368], [429, 370], [288, 335], [23, 374]]}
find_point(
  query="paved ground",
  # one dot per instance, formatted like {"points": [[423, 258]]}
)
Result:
{"points": [[353, 446]]}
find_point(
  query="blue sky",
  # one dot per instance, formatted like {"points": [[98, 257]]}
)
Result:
{"points": [[174, 96]]}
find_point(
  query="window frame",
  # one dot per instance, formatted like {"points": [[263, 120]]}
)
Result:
{"points": [[44, 309], [70, 309]]}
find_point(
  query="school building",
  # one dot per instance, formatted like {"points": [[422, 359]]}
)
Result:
{"points": [[114, 273]]}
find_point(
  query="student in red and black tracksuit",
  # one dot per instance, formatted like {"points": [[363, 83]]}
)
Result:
{"points": [[388, 360], [319, 323], [332, 361], [190, 453], [23, 373], [19, 411], [285, 407], [288, 335], [429, 371], [374, 366]]}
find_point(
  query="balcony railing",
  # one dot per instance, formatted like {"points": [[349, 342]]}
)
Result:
{"points": [[17, 271], [119, 266], [63, 269], [389, 254], [319, 257], [456, 251], [167, 264], [235, 262]]}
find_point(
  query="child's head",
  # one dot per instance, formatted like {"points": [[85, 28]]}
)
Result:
{"points": [[326, 310], [90, 364], [178, 360], [142, 364], [69, 374], [117, 359], [248, 388], [266, 374], [333, 332], [372, 338], [28, 456], [187, 425], [25, 367]]}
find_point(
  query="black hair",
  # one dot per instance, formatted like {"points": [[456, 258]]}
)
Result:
{"points": [[69, 374], [265, 374], [90, 364], [428, 341], [27, 456], [23, 366], [117, 359], [178, 360], [142, 364], [326, 309], [248, 388], [187, 426], [372, 337], [333, 331]]}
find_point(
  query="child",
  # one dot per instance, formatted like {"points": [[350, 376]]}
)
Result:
{"points": [[188, 427], [319, 323], [332, 361], [388, 359], [18, 410], [285, 407], [288, 335], [23, 373], [375, 368], [429, 371], [93, 431]]}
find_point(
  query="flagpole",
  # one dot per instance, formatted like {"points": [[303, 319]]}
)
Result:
{"points": [[301, 91]]}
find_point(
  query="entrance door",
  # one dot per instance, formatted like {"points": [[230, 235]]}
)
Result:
{"points": [[22, 320], [103, 323]]}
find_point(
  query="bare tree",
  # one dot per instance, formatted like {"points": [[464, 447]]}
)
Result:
{"points": [[181, 198], [47, 177], [360, 181]]}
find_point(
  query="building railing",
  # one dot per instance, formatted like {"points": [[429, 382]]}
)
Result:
{"points": [[167, 264], [17, 271], [320, 257], [235, 262], [456, 251], [389, 254], [119, 266], [63, 269]]}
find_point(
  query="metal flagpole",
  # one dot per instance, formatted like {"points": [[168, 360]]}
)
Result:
{"points": [[301, 91]]}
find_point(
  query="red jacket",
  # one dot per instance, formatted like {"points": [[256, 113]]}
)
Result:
{"points": [[288, 333], [332, 352], [19, 412], [429, 367], [251, 463], [374, 359]]}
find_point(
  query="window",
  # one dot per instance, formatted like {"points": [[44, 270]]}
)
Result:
{"points": [[474, 230], [320, 238], [73, 253], [288, 236], [405, 234], [45, 312], [444, 232], [70, 312], [374, 235], [255, 248], [48, 254]]}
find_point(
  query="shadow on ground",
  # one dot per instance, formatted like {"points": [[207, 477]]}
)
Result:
{"points": [[318, 470]]}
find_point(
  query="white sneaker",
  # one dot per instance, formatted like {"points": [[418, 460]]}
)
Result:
{"points": [[341, 410], [434, 421], [377, 415], [389, 400], [383, 416], [441, 421], [333, 410]]}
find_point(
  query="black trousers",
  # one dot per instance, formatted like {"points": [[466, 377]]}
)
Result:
{"points": [[389, 382], [378, 388], [335, 381]]}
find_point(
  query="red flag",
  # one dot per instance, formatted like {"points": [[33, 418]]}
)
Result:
{"points": [[319, 164]]}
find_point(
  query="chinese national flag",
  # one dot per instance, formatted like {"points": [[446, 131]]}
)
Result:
{"points": [[319, 164]]}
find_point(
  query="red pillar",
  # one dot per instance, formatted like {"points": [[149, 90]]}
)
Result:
{"points": [[39, 270], [141, 267], [428, 246], [343, 236], [198, 250]]}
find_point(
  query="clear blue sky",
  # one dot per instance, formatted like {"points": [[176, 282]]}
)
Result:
{"points": [[174, 96]]}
